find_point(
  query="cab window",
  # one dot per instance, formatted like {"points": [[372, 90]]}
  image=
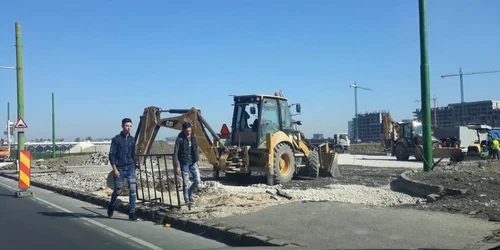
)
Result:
{"points": [[270, 119]]}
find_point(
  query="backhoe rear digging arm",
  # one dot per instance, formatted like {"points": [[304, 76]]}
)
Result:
{"points": [[151, 122]]}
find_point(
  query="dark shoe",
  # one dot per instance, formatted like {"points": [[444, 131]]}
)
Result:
{"points": [[110, 212], [132, 217], [191, 200]]}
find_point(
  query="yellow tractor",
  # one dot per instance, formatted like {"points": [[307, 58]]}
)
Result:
{"points": [[264, 138], [404, 139]]}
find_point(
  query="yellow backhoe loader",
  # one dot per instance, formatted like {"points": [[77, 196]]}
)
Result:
{"points": [[271, 143], [404, 139]]}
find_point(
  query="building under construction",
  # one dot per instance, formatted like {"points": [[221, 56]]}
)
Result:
{"points": [[481, 112], [369, 127]]}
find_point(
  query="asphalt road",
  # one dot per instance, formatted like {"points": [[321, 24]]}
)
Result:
{"points": [[52, 221]]}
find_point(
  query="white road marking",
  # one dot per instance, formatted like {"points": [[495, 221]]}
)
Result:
{"points": [[110, 229]]}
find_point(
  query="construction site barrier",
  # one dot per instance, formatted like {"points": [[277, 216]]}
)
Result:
{"points": [[157, 181], [24, 174]]}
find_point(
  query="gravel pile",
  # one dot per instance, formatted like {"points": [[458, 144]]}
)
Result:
{"points": [[72, 160], [10, 166], [100, 158], [87, 181]]}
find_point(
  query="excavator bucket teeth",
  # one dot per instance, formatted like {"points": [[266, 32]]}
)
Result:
{"points": [[330, 165]]}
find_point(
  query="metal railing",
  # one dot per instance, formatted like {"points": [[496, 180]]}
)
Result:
{"points": [[157, 181]]}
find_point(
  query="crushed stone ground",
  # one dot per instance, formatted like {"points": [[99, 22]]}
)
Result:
{"points": [[363, 180], [226, 198], [480, 178]]}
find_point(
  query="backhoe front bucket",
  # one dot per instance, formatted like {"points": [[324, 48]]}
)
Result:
{"points": [[329, 165], [455, 154]]}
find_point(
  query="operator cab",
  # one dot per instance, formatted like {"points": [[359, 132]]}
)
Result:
{"points": [[255, 116]]}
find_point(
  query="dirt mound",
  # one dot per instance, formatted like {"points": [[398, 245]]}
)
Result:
{"points": [[481, 180], [161, 147]]}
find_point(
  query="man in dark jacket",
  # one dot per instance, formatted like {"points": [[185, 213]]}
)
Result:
{"points": [[122, 159], [186, 159]]}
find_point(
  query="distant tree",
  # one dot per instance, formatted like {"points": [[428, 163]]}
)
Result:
{"points": [[78, 139], [88, 138]]}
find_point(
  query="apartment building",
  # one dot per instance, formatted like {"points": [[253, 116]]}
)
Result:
{"points": [[482, 112], [369, 127]]}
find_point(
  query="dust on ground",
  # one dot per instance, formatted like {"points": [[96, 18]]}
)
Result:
{"points": [[480, 178], [366, 148]]}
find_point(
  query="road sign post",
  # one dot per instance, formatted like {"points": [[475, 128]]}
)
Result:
{"points": [[20, 126], [24, 174]]}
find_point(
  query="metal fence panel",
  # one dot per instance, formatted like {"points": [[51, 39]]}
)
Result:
{"points": [[158, 182]]}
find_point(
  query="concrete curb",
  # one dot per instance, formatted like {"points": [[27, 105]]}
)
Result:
{"points": [[421, 189], [227, 235]]}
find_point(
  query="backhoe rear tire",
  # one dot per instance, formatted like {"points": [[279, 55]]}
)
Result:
{"points": [[419, 153], [313, 164], [400, 152], [284, 163]]}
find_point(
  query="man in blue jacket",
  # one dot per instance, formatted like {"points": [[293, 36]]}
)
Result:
{"points": [[122, 159]]}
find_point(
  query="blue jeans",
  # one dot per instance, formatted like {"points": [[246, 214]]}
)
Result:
{"points": [[195, 172], [127, 172]]}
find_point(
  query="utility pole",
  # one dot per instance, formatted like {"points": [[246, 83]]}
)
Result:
{"points": [[355, 86], [461, 75], [425, 88], [53, 129], [20, 86]]}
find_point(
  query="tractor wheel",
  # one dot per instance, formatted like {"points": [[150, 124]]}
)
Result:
{"points": [[419, 153], [339, 149], [313, 164], [284, 163], [400, 152]]}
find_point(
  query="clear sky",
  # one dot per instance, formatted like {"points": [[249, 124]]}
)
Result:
{"points": [[108, 59]]}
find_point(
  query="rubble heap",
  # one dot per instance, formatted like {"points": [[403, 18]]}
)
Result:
{"points": [[99, 158]]}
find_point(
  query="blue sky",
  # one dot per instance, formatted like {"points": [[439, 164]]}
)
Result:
{"points": [[108, 59]]}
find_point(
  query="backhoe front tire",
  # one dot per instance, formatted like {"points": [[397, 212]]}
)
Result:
{"points": [[400, 152], [284, 163], [313, 164]]}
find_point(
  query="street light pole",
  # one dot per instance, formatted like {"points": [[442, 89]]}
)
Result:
{"points": [[425, 88]]}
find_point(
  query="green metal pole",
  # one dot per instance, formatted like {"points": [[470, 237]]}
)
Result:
{"points": [[53, 129], [20, 86], [425, 89]]}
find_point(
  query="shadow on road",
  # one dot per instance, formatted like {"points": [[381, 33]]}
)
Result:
{"points": [[8, 195], [65, 214]]}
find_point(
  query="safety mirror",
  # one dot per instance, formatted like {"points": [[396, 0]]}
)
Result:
{"points": [[297, 107]]}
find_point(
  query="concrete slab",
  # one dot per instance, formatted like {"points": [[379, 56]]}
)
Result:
{"points": [[379, 161], [326, 225]]}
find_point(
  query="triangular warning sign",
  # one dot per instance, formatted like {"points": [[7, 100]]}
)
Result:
{"points": [[20, 123], [224, 130]]}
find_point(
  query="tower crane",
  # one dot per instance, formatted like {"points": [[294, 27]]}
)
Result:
{"points": [[355, 86], [462, 111]]}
